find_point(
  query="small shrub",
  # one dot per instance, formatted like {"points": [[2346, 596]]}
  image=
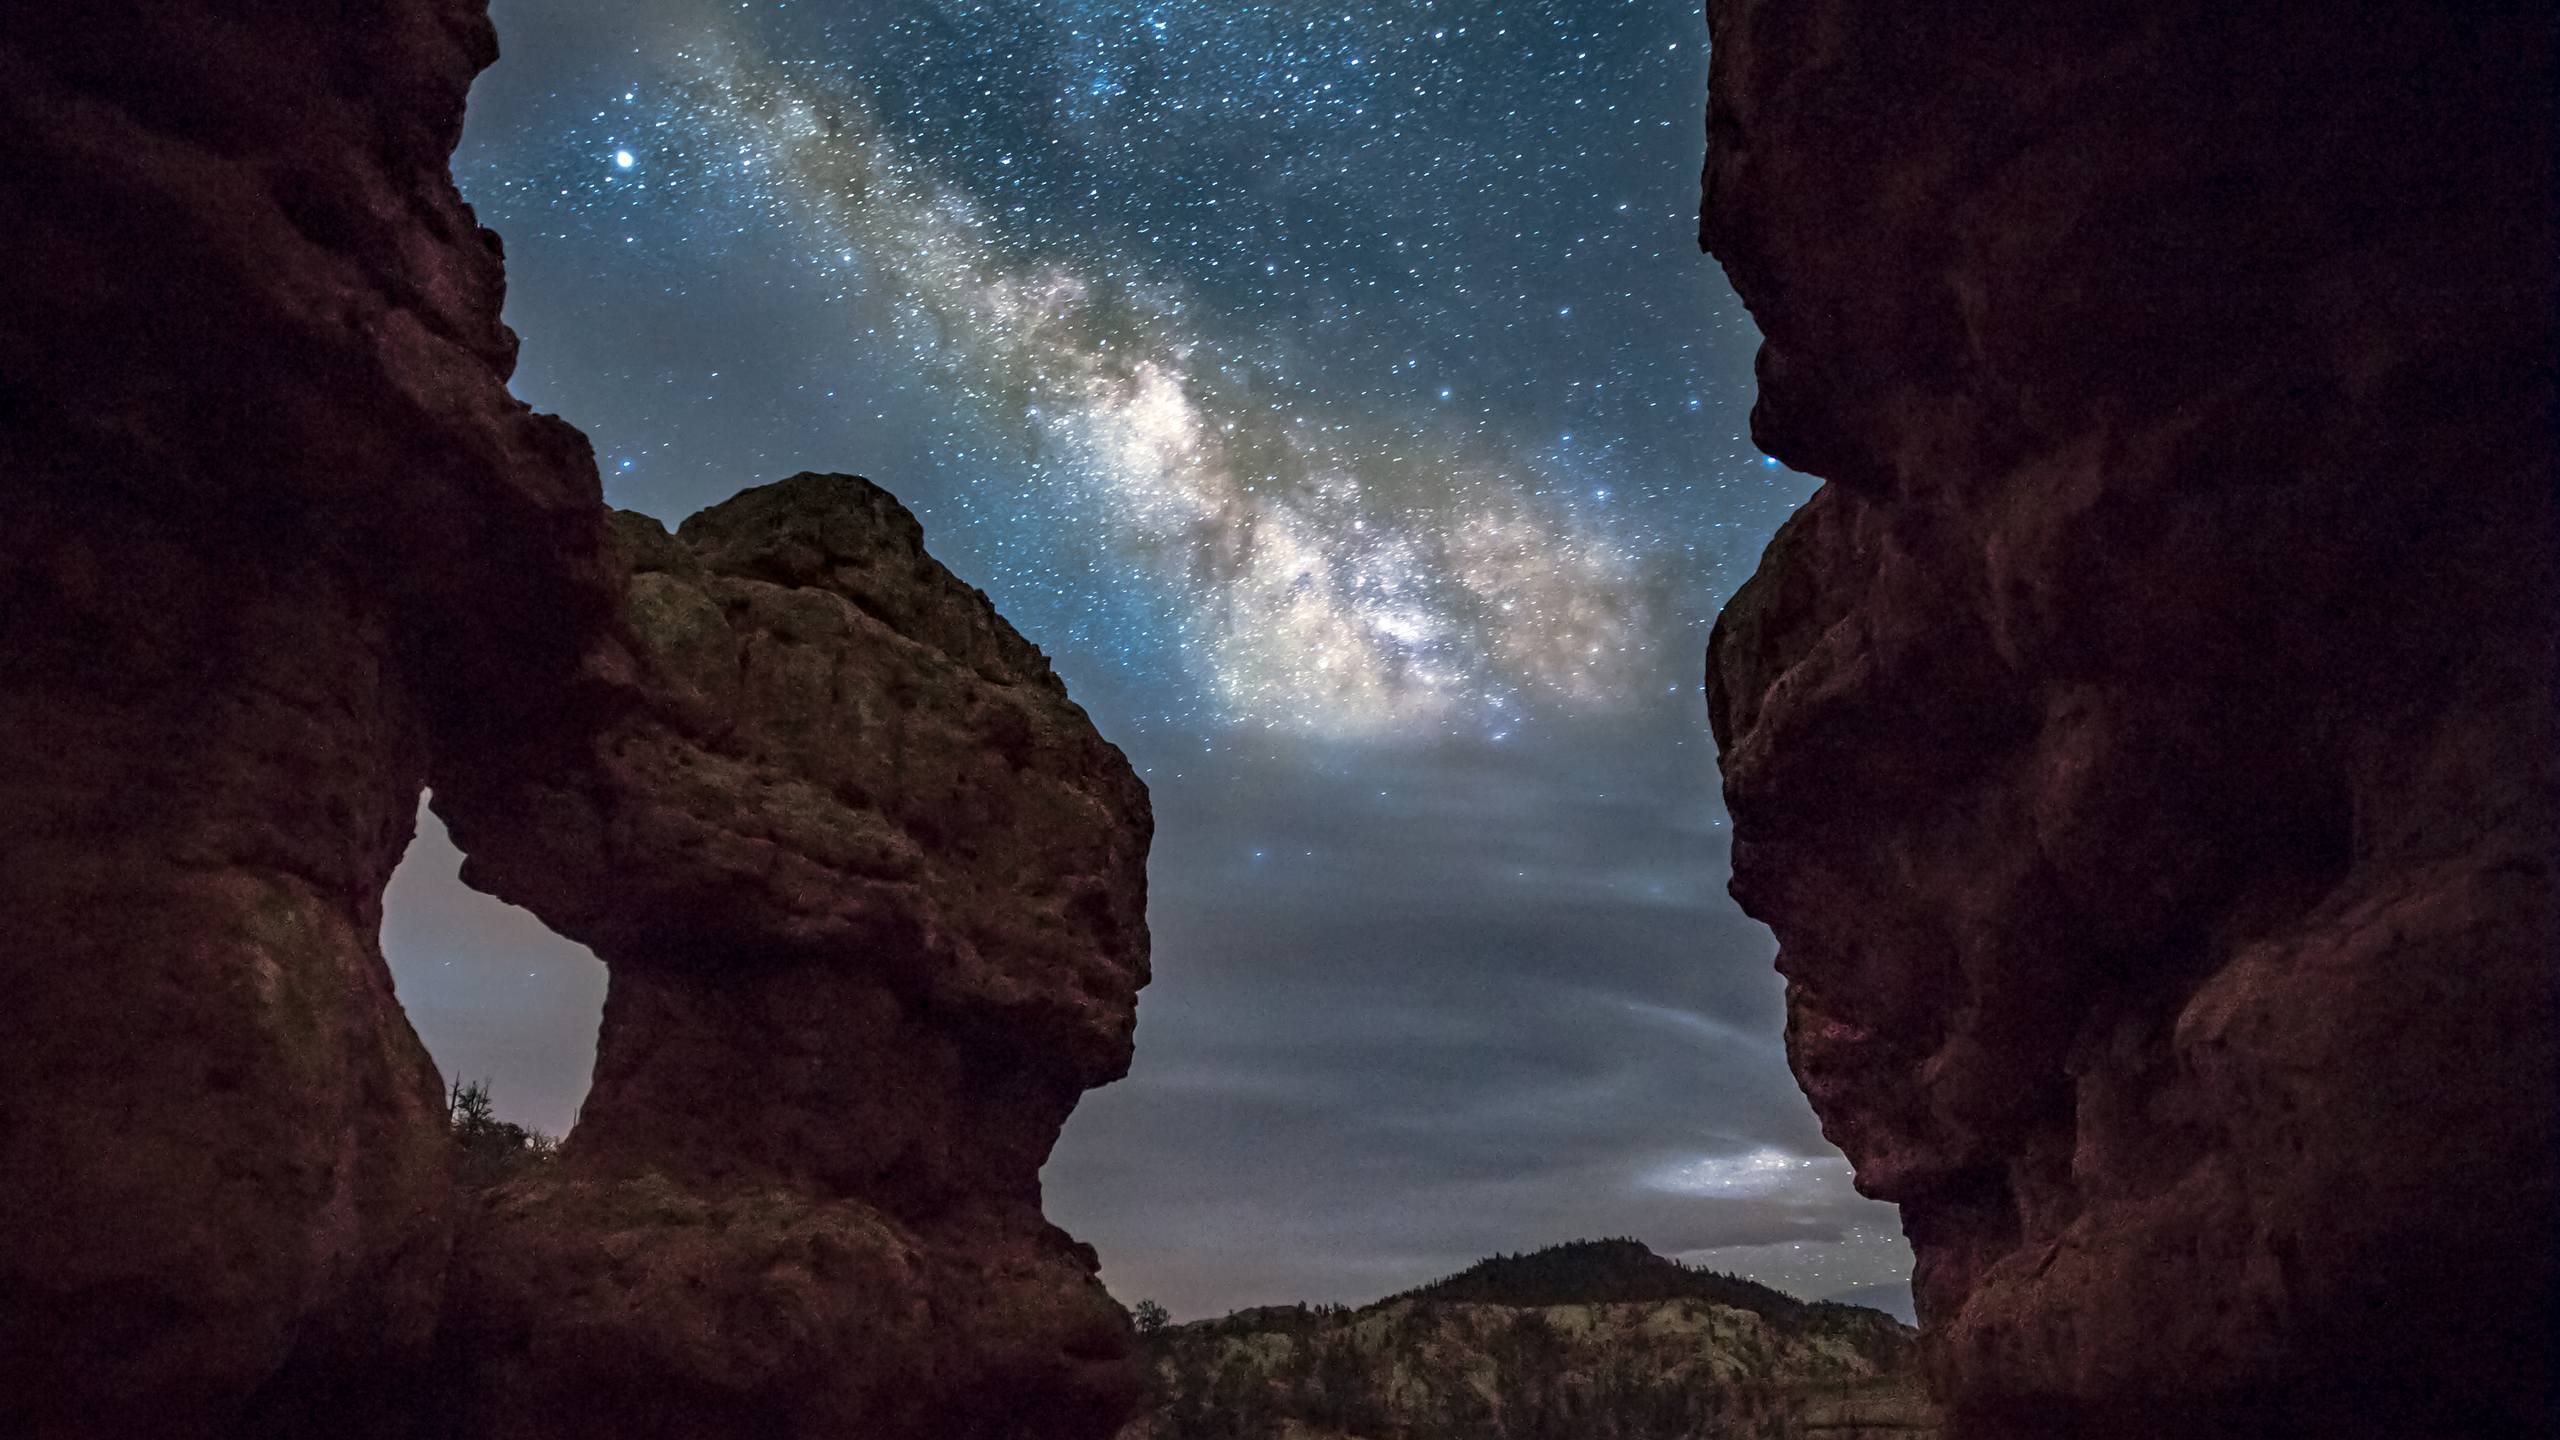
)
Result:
{"points": [[490, 1151]]}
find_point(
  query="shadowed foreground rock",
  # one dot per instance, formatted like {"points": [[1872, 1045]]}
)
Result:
{"points": [[2142, 744], [270, 511], [873, 895], [280, 551]]}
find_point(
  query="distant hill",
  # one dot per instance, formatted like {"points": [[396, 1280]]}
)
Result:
{"points": [[1894, 1300], [1593, 1340], [1597, 1272]]}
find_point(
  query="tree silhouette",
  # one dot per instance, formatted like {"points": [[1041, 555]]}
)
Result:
{"points": [[491, 1151]]}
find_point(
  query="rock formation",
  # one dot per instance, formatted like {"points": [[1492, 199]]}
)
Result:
{"points": [[271, 507], [281, 551], [873, 895], [2141, 744]]}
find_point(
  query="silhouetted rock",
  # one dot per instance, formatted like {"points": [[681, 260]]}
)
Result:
{"points": [[2142, 744], [271, 510], [281, 549], [873, 896]]}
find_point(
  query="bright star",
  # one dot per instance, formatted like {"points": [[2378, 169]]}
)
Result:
{"points": [[624, 159]]}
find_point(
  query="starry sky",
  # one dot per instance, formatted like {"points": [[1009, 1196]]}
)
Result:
{"points": [[1336, 392]]}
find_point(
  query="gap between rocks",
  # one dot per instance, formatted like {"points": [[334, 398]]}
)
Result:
{"points": [[492, 991]]}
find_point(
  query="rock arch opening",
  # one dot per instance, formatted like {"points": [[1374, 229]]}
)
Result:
{"points": [[494, 994]]}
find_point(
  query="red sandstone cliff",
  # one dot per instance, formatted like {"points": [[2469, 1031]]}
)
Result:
{"points": [[269, 499], [2141, 744], [281, 550]]}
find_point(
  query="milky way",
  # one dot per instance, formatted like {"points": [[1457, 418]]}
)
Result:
{"points": [[1338, 395], [1334, 571]]}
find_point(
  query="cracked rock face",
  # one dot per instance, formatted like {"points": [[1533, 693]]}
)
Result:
{"points": [[873, 893], [2141, 744], [281, 551]]}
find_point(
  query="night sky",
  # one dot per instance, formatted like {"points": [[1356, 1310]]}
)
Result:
{"points": [[1338, 395]]}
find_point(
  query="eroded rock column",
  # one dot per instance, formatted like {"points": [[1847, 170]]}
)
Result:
{"points": [[222, 1150], [873, 893]]}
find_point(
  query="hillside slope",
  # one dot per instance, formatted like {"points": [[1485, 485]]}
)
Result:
{"points": [[1598, 1340]]}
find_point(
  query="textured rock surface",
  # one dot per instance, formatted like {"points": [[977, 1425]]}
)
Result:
{"points": [[269, 500], [873, 895], [280, 550], [2142, 744]]}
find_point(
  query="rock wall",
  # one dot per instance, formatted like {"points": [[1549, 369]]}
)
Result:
{"points": [[2141, 744], [281, 550], [269, 503]]}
